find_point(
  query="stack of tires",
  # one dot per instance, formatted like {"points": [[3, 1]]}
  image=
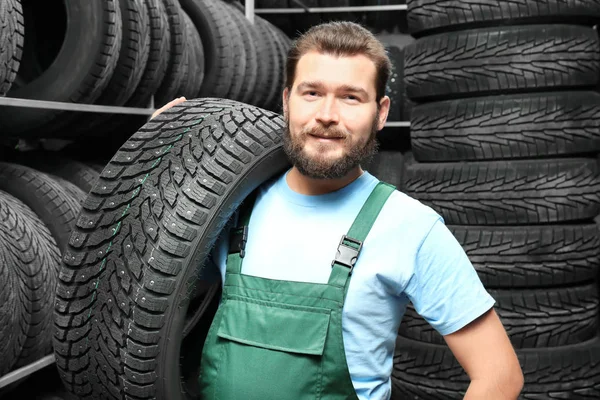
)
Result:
{"points": [[296, 23], [505, 136], [38, 209], [127, 53]]}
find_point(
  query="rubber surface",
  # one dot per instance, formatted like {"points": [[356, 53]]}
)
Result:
{"points": [[214, 27], [93, 38], [535, 318], [12, 32], [504, 59], [159, 54], [46, 197], [238, 50], [532, 256], [511, 126], [167, 91], [30, 251], [519, 192], [250, 52], [135, 257], [431, 372], [426, 15]]}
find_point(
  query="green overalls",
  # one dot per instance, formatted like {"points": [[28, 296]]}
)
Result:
{"points": [[275, 340]]}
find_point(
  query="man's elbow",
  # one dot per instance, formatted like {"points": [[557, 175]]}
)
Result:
{"points": [[514, 382], [503, 383], [511, 381]]}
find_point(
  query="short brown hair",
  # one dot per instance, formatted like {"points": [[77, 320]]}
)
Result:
{"points": [[340, 38]]}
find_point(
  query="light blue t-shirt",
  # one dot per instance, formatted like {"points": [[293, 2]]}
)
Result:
{"points": [[409, 255]]}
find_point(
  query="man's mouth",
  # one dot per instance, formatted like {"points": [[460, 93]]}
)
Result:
{"points": [[327, 137]]}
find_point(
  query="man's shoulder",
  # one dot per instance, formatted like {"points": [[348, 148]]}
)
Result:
{"points": [[401, 206]]}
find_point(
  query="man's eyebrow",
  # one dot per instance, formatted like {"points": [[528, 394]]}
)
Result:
{"points": [[353, 89], [343, 88], [309, 85]]}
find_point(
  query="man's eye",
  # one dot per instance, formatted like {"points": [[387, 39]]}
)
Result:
{"points": [[351, 97]]}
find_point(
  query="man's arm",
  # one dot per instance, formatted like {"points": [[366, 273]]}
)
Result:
{"points": [[485, 352], [446, 290]]}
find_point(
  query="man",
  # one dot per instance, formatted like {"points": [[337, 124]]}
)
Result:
{"points": [[294, 325]]}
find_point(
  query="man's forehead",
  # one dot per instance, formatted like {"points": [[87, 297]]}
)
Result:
{"points": [[356, 70]]}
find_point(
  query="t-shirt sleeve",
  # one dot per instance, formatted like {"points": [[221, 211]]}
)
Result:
{"points": [[445, 288]]}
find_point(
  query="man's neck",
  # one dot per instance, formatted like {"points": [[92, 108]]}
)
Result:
{"points": [[312, 187]]}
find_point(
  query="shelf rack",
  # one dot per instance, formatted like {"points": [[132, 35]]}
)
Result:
{"points": [[250, 11], [29, 369]]}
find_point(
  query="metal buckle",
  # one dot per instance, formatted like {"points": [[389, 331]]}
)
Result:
{"points": [[347, 255], [237, 241]]}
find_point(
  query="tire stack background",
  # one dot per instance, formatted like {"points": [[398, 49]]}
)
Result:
{"points": [[130, 52], [137, 49], [505, 136]]}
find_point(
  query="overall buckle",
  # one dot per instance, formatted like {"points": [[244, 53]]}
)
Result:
{"points": [[347, 255], [237, 241]]}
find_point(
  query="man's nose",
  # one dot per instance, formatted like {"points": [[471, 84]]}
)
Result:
{"points": [[328, 113]]}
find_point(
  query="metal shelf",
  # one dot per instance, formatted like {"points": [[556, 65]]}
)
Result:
{"points": [[56, 105], [395, 7], [27, 370]]}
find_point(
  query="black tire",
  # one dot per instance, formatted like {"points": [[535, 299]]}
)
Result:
{"points": [[238, 50], [534, 318], [72, 189], [282, 21], [176, 66], [12, 31], [93, 38], [381, 20], [507, 59], [140, 243], [341, 16], [303, 22], [196, 62], [273, 61], [430, 372], [189, 65], [395, 84], [513, 126], [96, 167], [46, 197], [133, 58], [275, 103], [427, 16], [250, 51], [15, 317], [214, 27], [266, 70], [159, 54], [80, 174], [119, 126], [520, 192], [387, 166], [34, 252], [534, 256]]}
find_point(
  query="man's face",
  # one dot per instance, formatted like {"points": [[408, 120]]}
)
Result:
{"points": [[332, 114]]}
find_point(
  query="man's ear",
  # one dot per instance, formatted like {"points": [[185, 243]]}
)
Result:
{"points": [[285, 96], [384, 109]]}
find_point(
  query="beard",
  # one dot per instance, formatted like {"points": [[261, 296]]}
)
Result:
{"points": [[321, 167]]}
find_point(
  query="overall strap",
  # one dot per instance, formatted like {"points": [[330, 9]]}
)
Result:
{"points": [[239, 235], [351, 243]]}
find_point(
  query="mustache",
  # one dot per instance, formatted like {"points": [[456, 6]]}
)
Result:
{"points": [[320, 131]]}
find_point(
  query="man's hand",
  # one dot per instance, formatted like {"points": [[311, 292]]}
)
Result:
{"points": [[168, 105], [486, 354]]}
